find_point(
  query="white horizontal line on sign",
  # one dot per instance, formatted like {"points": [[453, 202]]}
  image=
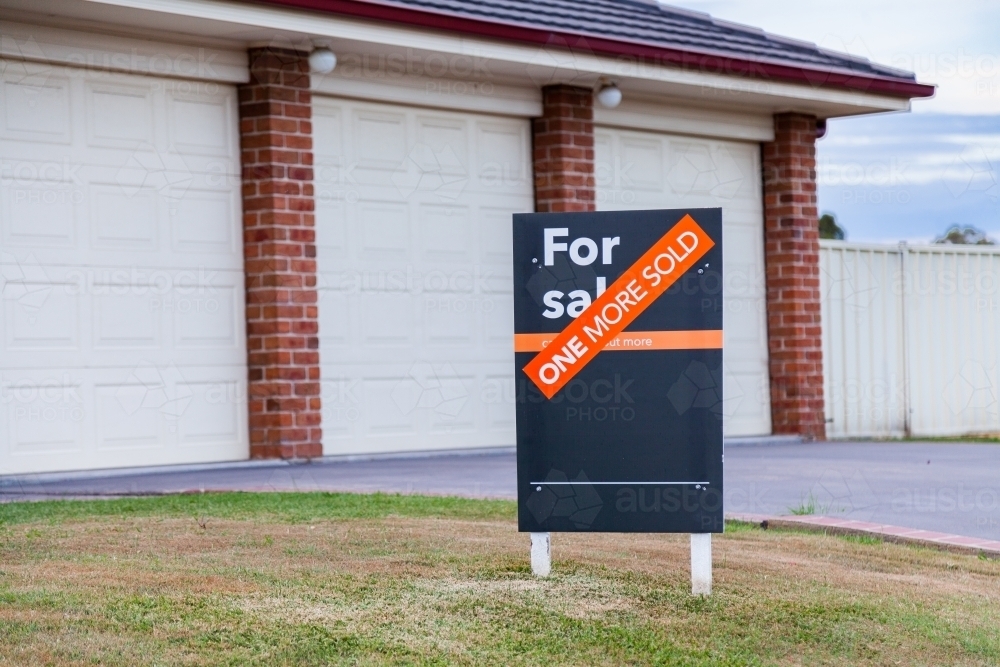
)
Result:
{"points": [[617, 483]]}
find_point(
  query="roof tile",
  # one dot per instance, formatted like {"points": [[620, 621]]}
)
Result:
{"points": [[648, 22]]}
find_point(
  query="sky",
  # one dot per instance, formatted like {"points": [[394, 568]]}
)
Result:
{"points": [[909, 176]]}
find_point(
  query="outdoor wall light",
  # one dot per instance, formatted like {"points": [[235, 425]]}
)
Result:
{"points": [[322, 60], [609, 96]]}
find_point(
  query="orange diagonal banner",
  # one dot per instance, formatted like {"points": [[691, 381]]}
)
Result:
{"points": [[659, 268]]}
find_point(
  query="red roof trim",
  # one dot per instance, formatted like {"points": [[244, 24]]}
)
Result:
{"points": [[714, 64]]}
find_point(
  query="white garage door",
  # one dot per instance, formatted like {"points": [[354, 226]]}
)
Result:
{"points": [[643, 170], [414, 246], [121, 260]]}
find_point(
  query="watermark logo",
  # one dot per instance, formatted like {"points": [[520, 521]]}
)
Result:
{"points": [[556, 498], [148, 168], [972, 171], [280, 53], [24, 281], [558, 62], [434, 387], [563, 276], [854, 284], [973, 388], [425, 170], [339, 400], [151, 387], [697, 169], [24, 62], [700, 387], [838, 493]]}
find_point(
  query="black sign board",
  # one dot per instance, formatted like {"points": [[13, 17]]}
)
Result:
{"points": [[618, 363]]}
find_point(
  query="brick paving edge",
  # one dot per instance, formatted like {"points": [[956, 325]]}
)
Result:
{"points": [[888, 533]]}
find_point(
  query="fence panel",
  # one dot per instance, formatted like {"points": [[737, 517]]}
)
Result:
{"points": [[863, 353], [911, 339], [953, 313]]}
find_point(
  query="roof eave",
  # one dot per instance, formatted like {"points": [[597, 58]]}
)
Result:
{"points": [[702, 62]]}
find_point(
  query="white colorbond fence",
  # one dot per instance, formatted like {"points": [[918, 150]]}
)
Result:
{"points": [[911, 339]]}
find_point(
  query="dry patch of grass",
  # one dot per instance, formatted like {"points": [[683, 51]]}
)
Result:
{"points": [[320, 579]]}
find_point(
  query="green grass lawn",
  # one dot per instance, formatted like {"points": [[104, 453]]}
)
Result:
{"points": [[317, 579]]}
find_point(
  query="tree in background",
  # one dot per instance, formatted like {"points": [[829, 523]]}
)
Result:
{"points": [[957, 235], [829, 229]]}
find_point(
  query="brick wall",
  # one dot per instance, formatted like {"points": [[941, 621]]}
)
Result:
{"points": [[280, 256], [791, 235], [563, 150]]}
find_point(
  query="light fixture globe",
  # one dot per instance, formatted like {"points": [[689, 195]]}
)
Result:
{"points": [[322, 60], [609, 96]]}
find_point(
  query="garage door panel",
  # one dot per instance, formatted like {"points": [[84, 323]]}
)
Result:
{"points": [[121, 222], [39, 213], [139, 164], [747, 319], [332, 299], [496, 234], [498, 324], [383, 230], [103, 418], [713, 170], [746, 390], [332, 210], [120, 219], [502, 156], [201, 222], [57, 316], [446, 232], [419, 278], [397, 406], [36, 105], [648, 170], [42, 317], [328, 146], [207, 320], [380, 143], [641, 163], [119, 116], [201, 124], [498, 399], [121, 272], [389, 405], [122, 421], [43, 415], [452, 408], [387, 319], [447, 322], [442, 145], [126, 320], [210, 412]]}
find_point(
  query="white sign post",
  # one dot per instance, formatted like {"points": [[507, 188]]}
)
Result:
{"points": [[701, 560], [541, 554], [701, 563]]}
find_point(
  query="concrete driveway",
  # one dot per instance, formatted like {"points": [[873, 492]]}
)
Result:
{"points": [[944, 487]]}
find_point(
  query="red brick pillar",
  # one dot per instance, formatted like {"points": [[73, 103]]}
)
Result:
{"points": [[280, 256], [791, 236], [564, 150]]}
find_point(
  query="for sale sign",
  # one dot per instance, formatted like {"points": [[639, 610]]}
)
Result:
{"points": [[618, 360]]}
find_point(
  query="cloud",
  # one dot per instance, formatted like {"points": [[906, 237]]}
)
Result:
{"points": [[956, 49], [906, 176]]}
